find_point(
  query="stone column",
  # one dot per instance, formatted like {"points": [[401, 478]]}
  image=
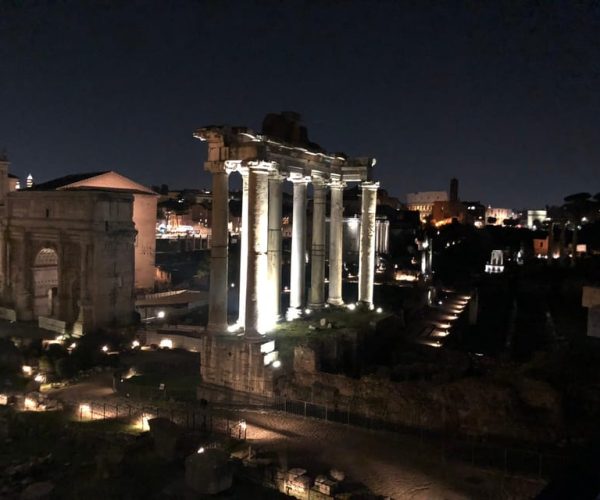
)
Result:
{"points": [[317, 270], [336, 227], [243, 250], [274, 243], [84, 319], [258, 302], [366, 271], [217, 298], [298, 263]]}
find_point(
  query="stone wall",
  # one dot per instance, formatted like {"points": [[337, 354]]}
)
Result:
{"points": [[470, 405], [236, 364]]}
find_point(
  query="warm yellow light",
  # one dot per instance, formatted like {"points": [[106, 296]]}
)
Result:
{"points": [[166, 343], [85, 411], [144, 422], [30, 404], [135, 343], [40, 378], [26, 369]]}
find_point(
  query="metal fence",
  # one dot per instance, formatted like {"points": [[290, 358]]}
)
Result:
{"points": [[194, 419], [511, 460], [446, 446]]}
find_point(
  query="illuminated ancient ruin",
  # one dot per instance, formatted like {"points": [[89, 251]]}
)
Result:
{"points": [[265, 161]]}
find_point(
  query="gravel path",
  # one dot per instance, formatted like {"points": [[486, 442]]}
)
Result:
{"points": [[394, 465]]}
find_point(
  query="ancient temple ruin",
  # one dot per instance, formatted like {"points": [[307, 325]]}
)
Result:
{"points": [[282, 153]]}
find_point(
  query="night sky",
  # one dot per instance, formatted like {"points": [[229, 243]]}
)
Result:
{"points": [[506, 97]]}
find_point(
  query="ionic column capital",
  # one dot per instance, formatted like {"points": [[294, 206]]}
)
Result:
{"points": [[336, 184], [319, 182], [369, 185], [275, 175], [299, 178], [218, 167]]}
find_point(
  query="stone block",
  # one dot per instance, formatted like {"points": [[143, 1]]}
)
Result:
{"points": [[209, 472], [166, 436]]}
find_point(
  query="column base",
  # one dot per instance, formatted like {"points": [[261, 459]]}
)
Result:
{"points": [[335, 302], [366, 304], [317, 307], [293, 313]]}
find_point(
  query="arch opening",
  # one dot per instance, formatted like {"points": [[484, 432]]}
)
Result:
{"points": [[45, 283]]}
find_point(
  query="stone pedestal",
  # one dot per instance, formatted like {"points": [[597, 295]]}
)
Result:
{"points": [[366, 271], [209, 472]]}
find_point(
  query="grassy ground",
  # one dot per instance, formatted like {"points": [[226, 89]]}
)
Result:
{"points": [[292, 333]]}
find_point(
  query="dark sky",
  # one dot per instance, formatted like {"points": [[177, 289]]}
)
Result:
{"points": [[505, 96]]}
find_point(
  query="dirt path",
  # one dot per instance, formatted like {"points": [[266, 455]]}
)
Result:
{"points": [[394, 465]]}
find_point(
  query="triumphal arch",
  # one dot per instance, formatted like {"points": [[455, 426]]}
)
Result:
{"points": [[282, 153], [67, 255]]}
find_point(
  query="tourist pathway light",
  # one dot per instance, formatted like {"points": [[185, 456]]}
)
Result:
{"points": [[276, 364], [104, 348], [379, 310], [85, 411], [201, 449], [351, 307], [160, 314], [135, 343], [26, 369]]}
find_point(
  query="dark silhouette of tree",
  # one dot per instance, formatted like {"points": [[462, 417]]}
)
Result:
{"points": [[576, 207]]}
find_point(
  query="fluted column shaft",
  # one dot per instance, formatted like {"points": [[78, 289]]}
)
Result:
{"points": [[274, 243], [298, 264], [243, 250], [217, 298], [335, 243], [317, 271], [366, 271], [257, 301]]}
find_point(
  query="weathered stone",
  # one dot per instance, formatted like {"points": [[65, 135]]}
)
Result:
{"points": [[337, 474], [166, 436], [209, 472], [38, 491]]}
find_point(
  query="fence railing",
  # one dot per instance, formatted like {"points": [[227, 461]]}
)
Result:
{"points": [[194, 419], [447, 446], [511, 460]]}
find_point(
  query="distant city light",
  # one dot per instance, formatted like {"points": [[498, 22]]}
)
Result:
{"points": [[201, 449], [40, 378], [26, 369], [104, 348], [135, 343]]}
